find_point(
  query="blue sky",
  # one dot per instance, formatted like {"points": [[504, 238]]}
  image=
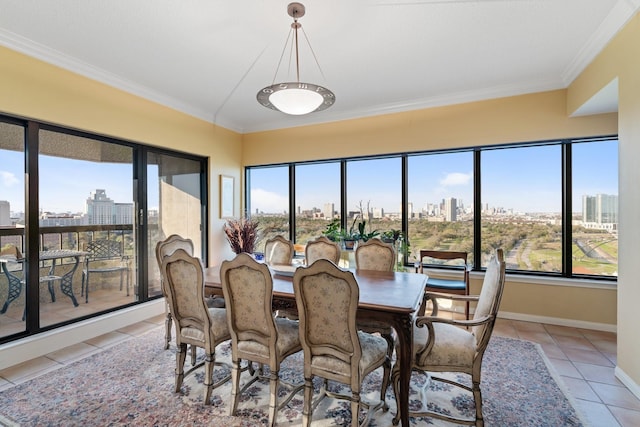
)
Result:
{"points": [[523, 179]]}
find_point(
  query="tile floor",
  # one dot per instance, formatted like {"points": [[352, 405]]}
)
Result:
{"points": [[584, 359]]}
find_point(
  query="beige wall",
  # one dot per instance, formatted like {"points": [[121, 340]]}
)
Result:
{"points": [[533, 117], [621, 59], [39, 91]]}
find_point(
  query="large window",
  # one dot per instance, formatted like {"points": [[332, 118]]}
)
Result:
{"points": [[594, 246], [551, 206], [268, 190], [374, 195], [440, 212], [522, 207], [317, 199], [78, 236]]}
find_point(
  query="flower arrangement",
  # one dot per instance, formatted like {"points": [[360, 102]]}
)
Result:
{"points": [[242, 234]]}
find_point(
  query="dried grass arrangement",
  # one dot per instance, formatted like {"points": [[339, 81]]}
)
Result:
{"points": [[242, 234]]}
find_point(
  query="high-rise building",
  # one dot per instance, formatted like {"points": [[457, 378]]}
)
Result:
{"points": [[600, 209], [5, 213], [450, 209], [100, 209], [328, 210]]}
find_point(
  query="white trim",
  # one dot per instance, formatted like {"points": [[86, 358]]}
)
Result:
{"points": [[38, 345], [625, 379], [558, 321]]}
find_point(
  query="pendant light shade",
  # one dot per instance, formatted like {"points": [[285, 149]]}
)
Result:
{"points": [[296, 98]]}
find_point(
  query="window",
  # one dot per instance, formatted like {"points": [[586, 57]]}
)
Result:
{"points": [[174, 206], [522, 207], [317, 199], [546, 225], [374, 194], [440, 214], [594, 248], [12, 225], [92, 193], [268, 200]]}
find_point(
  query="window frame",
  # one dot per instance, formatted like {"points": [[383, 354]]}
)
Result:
{"points": [[566, 192]]}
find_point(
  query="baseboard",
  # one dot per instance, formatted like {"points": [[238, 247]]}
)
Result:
{"points": [[559, 321], [38, 345], [627, 381]]}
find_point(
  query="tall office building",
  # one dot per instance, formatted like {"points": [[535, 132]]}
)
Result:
{"points": [[328, 210], [5, 213], [100, 209], [450, 209], [600, 209]]}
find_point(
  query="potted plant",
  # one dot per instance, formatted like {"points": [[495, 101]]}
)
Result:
{"points": [[242, 234], [400, 243], [333, 232]]}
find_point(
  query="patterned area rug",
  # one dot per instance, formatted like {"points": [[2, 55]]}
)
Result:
{"points": [[131, 384]]}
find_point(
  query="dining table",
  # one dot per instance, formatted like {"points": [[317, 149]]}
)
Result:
{"points": [[392, 297]]}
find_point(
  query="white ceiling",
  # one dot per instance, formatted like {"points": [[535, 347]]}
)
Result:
{"points": [[209, 58]]}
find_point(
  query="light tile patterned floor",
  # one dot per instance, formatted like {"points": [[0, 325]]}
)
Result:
{"points": [[585, 360]]}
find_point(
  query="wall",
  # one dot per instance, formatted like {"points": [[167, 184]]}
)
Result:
{"points": [[621, 59], [534, 117], [36, 90]]}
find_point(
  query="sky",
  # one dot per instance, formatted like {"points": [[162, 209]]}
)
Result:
{"points": [[65, 184], [522, 179]]}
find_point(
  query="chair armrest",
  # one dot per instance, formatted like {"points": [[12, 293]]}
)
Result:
{"points": [[456, 297], [421, 321], [434, 296]]}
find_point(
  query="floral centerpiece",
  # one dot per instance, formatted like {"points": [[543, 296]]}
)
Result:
{"points": [[242, 234]]}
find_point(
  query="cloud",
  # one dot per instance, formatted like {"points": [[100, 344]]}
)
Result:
{"points": [[456, 179], [268, 202], [8, 179]]}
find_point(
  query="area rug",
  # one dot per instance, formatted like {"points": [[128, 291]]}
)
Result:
{"points": [[132, 383]]}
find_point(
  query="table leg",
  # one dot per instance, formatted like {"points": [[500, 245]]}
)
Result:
{"points": [[66, 282], [404, 328]]}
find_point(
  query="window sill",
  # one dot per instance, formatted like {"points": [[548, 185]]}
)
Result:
{"points": [[554, 281]]}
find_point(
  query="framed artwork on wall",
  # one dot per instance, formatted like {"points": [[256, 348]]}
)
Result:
{"points": [[226, 196]]}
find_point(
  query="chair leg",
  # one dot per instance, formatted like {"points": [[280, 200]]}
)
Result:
{"points": [[209, 360], [395, 382], [477, 397], [167, 324], [306, 407], [273, 398], [355, 409], [181, 355], [235, 386], [385, 384]]}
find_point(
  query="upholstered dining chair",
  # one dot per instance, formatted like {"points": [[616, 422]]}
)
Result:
{"points": [[256, 336], [164, 248], [322, 248], [374, 254], [195, 323], [456, 285], [278, 250], [334, 349], [443, 345]]}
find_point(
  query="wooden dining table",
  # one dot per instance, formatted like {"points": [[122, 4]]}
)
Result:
{"points": [[390, 297]]}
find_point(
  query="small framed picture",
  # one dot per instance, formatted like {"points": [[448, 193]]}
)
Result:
{"points": [[226, 196]]}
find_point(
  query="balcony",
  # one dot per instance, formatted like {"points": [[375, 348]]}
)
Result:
{"points": [[105, 293]]}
